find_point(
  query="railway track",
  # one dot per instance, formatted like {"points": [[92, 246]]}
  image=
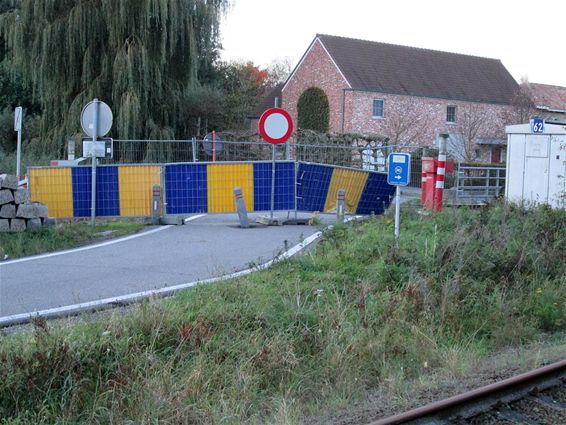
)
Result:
{"points": [[532, 398]]}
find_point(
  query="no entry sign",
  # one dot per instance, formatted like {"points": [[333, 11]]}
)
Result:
{"points": [[275, 126]]}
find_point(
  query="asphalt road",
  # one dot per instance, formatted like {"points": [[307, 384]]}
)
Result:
{"points": [[210, 246]]}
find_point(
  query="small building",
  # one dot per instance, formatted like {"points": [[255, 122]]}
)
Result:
{"points": [[410, 95], [536, 165]]}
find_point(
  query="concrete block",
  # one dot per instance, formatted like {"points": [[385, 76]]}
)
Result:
{"points": [[21, 196], [17, 225], [8, 211], [26, 211], [49, 221], [4, 225], [8, 181], [41, 210], [6, 196], [33, 223]]}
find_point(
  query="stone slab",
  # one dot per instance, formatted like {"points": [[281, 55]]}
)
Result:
{"points": [[4, 225], [26, 211], [6, 196], [17, 225], [21, 196], [8, 181], [33, 224], [41, 210], [8, 211]]}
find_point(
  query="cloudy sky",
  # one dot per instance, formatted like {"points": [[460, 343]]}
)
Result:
{"points": [[529, 37]]}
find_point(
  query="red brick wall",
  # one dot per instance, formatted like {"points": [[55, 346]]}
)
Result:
{"points": [[422, 118], [316, 70]]}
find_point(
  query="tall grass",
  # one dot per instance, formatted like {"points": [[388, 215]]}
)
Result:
{"points": [[311, 333]]}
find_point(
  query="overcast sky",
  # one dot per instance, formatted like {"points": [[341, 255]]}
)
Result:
{"points": [[529, 37]]}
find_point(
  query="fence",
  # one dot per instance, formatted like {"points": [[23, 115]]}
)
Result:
{"points": [[477, 183], [361, 156]]}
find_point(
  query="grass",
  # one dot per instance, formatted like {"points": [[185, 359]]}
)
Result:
{"points": [[311, 334], [63, 236]]}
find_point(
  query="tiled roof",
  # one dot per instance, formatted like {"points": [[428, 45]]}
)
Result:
{"points": [[388, 68], [548, 97]]}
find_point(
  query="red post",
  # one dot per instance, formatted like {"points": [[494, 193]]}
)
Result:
{"points": [[213, 146], [427, 167], [440, 174]]}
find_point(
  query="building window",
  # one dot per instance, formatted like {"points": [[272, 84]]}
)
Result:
{"points": [[450, 114], [378, 108]]}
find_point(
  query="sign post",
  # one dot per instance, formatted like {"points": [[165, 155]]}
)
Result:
{"points": [[275, 127], [398, 174], [96, 121], [18, 127]]}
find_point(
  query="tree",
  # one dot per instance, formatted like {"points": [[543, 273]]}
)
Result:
{"points": [[278, 71], [404, 122], [473, 120], [142, 57], [243, 85]]}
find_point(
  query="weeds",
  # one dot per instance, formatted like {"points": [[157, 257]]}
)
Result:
{"points": [[310, 334]]}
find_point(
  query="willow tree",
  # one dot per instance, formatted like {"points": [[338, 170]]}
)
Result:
{"points": [[142, 57]]}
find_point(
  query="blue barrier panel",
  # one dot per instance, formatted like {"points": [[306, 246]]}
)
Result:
{"points": [[313, 181], [376, 196], [186, 188], [284, 186], [107, 191]]}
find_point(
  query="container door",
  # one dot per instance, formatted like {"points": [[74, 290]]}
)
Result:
{"points": [[557, 172], [515, 167], [535, 184]]}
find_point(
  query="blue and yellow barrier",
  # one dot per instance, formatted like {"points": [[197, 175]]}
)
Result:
{"points": [[366, 192], [120, 190], [126, 190]]}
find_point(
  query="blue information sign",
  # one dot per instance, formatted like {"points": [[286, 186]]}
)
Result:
{"points": [[399, 172], [537, 125]]}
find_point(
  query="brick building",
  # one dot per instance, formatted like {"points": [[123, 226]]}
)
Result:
{"points": [[407, 94]]}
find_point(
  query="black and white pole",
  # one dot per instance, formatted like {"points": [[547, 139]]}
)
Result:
{"points": [[340, 205], [241, 208], [94, 161], [18, 127]]}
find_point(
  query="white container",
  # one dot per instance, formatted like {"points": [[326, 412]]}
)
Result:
{"points": [[536, 165]]}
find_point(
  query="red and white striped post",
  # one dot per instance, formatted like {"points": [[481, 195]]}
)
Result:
{"points": [[440, 174]]}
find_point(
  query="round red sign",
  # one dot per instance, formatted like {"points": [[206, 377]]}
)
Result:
{"points": [[275, 125]]}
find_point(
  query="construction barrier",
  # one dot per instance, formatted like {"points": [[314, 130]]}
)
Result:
{"points": [[126, 190]]}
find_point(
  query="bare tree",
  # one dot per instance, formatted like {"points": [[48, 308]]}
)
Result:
{"points": [[404, 123], [522, 106], [473, 121]]}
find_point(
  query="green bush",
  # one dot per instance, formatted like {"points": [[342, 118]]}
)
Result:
{"points": [[313, 110]]}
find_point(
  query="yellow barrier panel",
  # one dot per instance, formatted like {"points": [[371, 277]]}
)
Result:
{"points": [[222, 178], [353, 182], [53, 187], [136, 185]]}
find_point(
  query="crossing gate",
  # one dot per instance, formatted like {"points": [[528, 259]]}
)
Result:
{"points": [[126, 190]]}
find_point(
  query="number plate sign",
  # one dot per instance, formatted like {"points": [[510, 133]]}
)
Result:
{"points": [[537, 126]]}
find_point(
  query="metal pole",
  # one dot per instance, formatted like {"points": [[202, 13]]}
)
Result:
{"points": [[213, 146], [194, 141], [397, 212], [19, 155], [93, 176], [272, 180], [18, 121]]}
